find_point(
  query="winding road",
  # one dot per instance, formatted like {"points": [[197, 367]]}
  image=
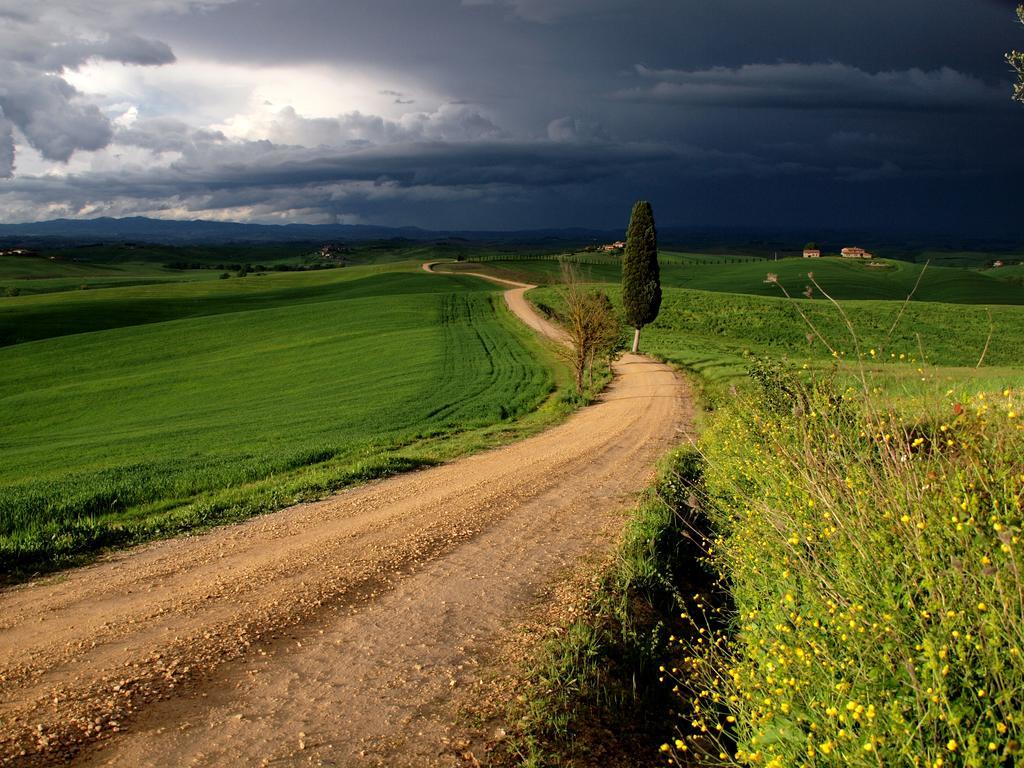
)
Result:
{"points": [[329, 633]]}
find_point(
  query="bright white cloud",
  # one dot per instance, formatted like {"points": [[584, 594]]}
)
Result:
{"points": [[39, 46], [247, 103]]}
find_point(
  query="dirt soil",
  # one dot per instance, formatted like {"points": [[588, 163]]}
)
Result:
{"points": [[342, 632]]}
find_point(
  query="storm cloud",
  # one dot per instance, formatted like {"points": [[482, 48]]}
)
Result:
{"points": [[36, 49], [819, 86], [512, 113]]}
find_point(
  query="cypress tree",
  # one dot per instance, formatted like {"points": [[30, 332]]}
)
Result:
{"points": [[641, 278]]}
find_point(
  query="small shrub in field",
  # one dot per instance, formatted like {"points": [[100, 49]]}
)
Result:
{"points": [[874, 563]]}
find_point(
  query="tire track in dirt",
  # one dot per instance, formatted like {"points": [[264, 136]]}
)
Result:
{"points": [[331, 633]]}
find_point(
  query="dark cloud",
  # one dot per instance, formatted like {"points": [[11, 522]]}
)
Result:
{"points": [[547, 11], [831, 85], [46, 110], [165, 135], [525, 112], [6, 146], [399, 97], [326, 182], [52, 54], [575, 129]]}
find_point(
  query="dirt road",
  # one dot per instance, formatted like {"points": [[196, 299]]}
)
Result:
{"points": [[516, 300], [333, 633]]}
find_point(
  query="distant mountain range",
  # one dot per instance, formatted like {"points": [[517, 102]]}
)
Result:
{"points": [[181, 232], [723, 239]]}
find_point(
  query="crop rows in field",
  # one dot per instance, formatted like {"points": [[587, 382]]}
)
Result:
{"points": [[158, 425]]}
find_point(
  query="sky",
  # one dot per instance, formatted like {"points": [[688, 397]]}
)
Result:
{"points": [[884, 115]]}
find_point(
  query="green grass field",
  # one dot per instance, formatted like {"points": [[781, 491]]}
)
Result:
{"points": [[138, 412], [177, 400], [718, 336], [33, 317], [842, 278], [34, 275], [108, 265]]}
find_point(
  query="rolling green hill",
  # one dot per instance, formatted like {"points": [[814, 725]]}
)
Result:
{"points": [[851, 279], [842, 278], [178, 406], [719, 335], [28, 318]]}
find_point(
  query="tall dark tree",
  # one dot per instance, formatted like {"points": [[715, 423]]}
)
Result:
{"points": [[641, 277], [1016, 59]]}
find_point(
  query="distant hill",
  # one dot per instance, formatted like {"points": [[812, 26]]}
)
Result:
{"points": [[749, 241], [142, 229]]}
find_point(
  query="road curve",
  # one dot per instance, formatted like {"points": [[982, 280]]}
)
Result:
{"points": [[516, 300], [330, 633]]}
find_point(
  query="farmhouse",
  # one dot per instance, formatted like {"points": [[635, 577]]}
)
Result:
{"points": [[812, 253], [616, 246], [856, 253]]}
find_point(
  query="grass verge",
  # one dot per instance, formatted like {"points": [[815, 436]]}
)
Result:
{"points": [[594, 693], [873, 557]]}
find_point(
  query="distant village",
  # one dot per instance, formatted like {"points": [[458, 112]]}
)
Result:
{"points": [[333, 252]]}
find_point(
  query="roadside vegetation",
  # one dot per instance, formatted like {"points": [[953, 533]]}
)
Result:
{"points": [[1016, 60], [848, 547], [594, 331], [870, 555], [594, 693]]}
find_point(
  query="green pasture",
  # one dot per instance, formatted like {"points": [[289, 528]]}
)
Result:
{"points": [[139, 412], [718, 335], [951, 258], [29, 318], [841, 278], [109, 265], [28, 279]]}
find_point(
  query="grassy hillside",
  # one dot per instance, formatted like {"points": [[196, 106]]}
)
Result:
{"points": [[719, 335], [842, 278], [105, 265], [848, 279], [29, 318], [20, 275], [120, 265], [187, 404]]}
